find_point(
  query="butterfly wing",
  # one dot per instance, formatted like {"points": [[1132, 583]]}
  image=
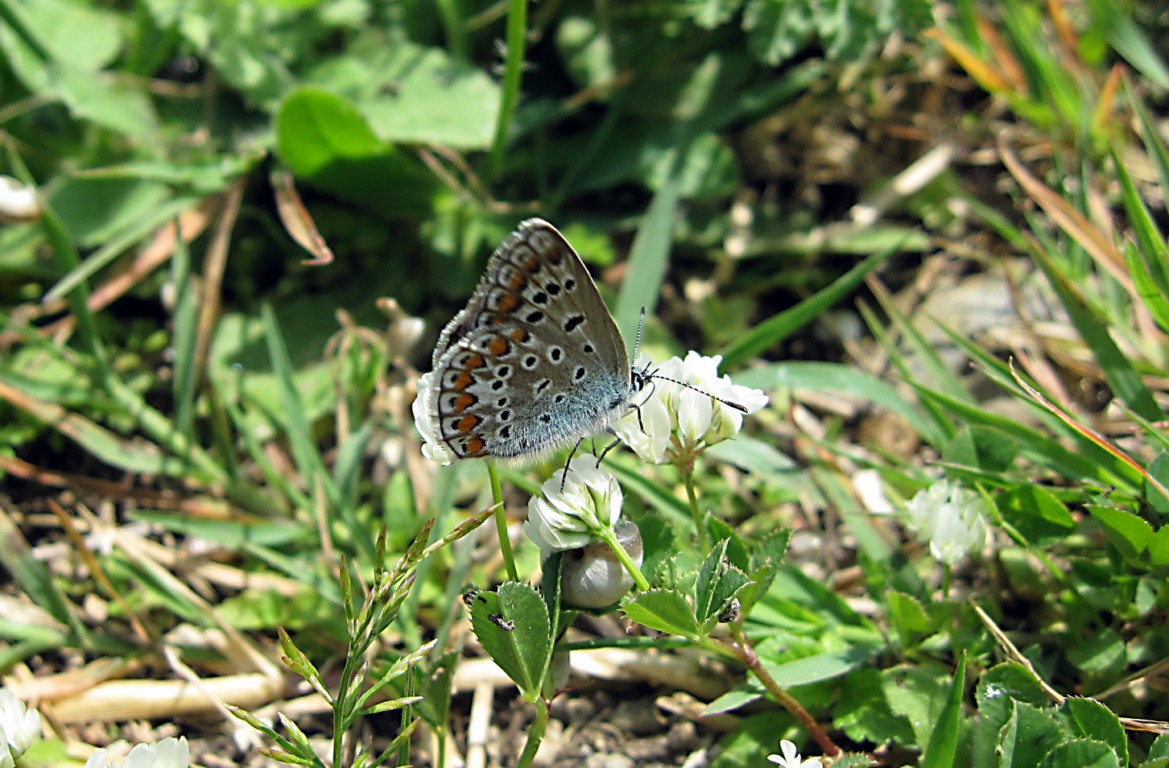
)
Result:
{"points": [[535, 360]]}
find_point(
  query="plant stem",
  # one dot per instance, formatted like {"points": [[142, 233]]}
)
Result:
{"points": [[743, 650], [535, 735], [610, 538], [501, 524], [695, 512]]}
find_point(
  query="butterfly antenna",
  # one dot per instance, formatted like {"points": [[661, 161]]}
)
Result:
{"points": [[637, 338], [727, 403]]}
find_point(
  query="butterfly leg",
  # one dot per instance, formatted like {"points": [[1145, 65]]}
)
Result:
{"points": [[571, 453]]}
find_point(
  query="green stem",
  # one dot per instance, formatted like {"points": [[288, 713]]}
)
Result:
{"points": [[535, 735], [513, 67], [695, 512], [639, 579], [743, 650], [501, 524]]}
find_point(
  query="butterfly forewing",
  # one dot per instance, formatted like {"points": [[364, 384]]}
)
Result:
{"points": [[535, 360]]}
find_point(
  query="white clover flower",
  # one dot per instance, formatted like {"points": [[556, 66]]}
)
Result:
{"points": [[568, 517], [18, 202], [433, 447], [697, 417], [168, 753], [19, 727], [951, 518], [791, 757]]}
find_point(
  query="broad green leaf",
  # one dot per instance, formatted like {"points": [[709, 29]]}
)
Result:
{"points": [[1036, 513], [1159, 548], [1100, 651], [863, 712], [1029, 734], [1092, 719], [919, 694], [980, 447], [998, 689], [663, 610], [1128, 532], [908, 617], [421, 95], [1081, 753], [513, 627], [822, 666], [325, 138]]}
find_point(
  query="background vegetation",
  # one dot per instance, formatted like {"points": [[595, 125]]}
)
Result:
{"points": [[933, 233]]}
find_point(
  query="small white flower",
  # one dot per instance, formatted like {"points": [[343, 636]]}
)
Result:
{"points": [[18, 202], [568, 517], [697, 417], [168, 753], [19, 727], [951, 518], [791, 757], [433, 447]]}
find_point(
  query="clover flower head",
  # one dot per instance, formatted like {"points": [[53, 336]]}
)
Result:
{"points": [[19, 727], [168, 753], [433, 447], [571, 509], [952, 519], [791, 757], [686, 409]]}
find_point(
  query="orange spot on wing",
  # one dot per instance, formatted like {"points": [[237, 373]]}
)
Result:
{"points": [[474, 360], [463, 380], [508, 303], [475, 446], [498, 346], [464, 401], [520, 335], [467, 423]]}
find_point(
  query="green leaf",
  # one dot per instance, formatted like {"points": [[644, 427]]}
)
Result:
{"points": [[325, 138], [1159, 749], [918, 694], [718, 583], [943, 744], [1128, 532], [1036, 513], [512, 625], [981, 447], [863, 713], [1101, 651], [823, 666], [421, 95], [775, 31], [998, 690], [1159, 548], [1030, 733], [1081, 753], [908, 617], [1092, 719], [663, 610]]}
